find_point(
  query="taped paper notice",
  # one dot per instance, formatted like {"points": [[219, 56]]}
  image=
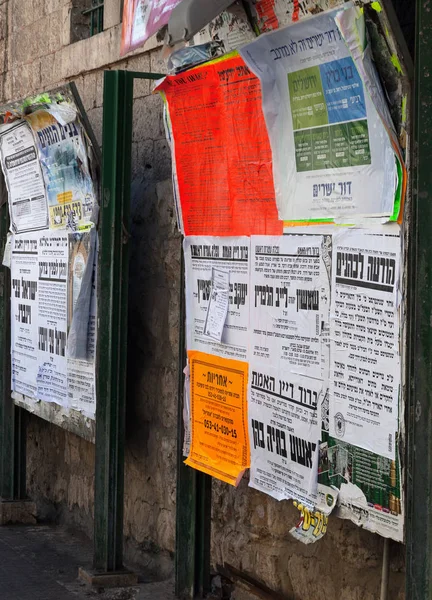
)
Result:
{"points": [[364, 339], [284, 433], [203, 256], [218, 305], [221, 150], [28, 206], [24, 311], [311, 527], [52, 318], [290, 287], [220, 444], [332, 155], [65, 167]]}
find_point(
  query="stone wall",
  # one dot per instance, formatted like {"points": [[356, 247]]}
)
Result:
{"points": [[35, 54], [249, 529]]}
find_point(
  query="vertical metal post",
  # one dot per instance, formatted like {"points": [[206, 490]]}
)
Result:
{"points": [[419, 468], [12, 418], [193, 515], [112, 321]]}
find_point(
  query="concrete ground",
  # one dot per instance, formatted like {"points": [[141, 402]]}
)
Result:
{"points": [[41, 563]]}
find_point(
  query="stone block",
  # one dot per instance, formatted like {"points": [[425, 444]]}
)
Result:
{"points": [[108, 580], [22, 14], [20, 511], [147, 119]]}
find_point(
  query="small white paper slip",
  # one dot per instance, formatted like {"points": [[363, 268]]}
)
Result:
{"points": [[7, 252], [218, 306]]}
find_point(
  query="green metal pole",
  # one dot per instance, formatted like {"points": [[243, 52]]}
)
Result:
{"points": [[419, 468], [112, 316], [193, 514]]}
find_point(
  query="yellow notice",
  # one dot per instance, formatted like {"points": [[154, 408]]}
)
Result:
{"points": [[220, 442]]}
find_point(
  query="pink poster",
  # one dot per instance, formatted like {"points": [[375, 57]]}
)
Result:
{"points": [[142, 19]]}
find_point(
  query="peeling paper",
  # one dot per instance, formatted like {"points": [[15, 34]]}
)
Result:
{"points": [[311, 527]]}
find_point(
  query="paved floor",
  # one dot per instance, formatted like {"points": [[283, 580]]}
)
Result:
{"points": [[41, 563]]}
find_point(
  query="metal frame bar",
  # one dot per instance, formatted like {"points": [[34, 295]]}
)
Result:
{"points": [[193, 488], [193, 514], [419, 468], [113, 273]]}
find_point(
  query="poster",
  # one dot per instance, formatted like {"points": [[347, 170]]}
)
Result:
{"points": [[24, 313], [284, 430], [28, 207], [63, 156], [43, 268], [365, 369], [370, 487], [289, 305], [332, 155], [273, 14], [231, 29], [142, 19], [219, 442], [52, 318], [221, 150], [82, 366], [229, 256]]}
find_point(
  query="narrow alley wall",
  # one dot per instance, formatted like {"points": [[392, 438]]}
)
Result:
{"points": [[249, 529]]}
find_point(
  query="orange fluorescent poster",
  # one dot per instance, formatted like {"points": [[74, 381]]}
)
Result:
{"points": [[221, 148], [220, 442]]}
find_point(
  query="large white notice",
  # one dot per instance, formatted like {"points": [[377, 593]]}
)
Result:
{"points": [[203, 256], [24, 313], [284, 433], [290, 300], [289, 343], [364, 339], [28, 204], [332, 156], [52, 321]]}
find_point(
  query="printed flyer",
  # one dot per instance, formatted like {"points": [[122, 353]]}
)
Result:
{"points": [[289, 306], [332, 154], [365, 367], [28, 206], [219, 434], [229, 256], [64, 160], [284, 432], [24, 313], [221, 150]]}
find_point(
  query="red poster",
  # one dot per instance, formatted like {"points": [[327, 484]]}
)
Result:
{"points": [[222, 151]]}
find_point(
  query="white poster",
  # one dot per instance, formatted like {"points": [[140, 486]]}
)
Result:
{"points": [[231, 256], [82, 373], [332, 156], [364, 339], [52, 318], [28, 205], [290, 298], [24, 313], [284, 433]]}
